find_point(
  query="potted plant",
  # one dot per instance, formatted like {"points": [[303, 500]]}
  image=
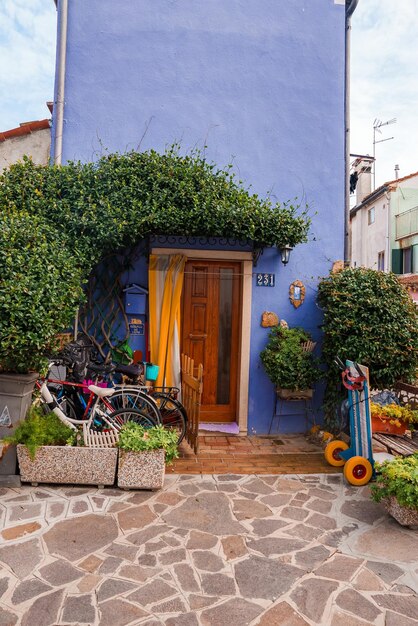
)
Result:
{"points": [[289, 362], [143, 454], [48, 451], [40, 288], [392, 418], [397, 488]]}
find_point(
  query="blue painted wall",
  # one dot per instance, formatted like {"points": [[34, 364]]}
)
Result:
{"points": [[259, 82]]}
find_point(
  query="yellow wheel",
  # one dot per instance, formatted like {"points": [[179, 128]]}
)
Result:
{"points": [[332, 453], [358, 471]]}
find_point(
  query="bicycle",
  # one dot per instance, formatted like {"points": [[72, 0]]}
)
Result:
{"points": [[172, 413], [99, 417], [71, 393], [161, 403]]}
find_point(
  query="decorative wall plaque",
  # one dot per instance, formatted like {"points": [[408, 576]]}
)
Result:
{"points": [[337, 266], [297, 293], [269, 319]]}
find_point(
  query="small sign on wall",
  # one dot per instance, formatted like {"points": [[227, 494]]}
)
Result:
{"points": [[265, 280], [136, 326]]}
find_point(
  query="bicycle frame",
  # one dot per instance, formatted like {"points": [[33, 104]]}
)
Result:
{"points": [[73, 423]]}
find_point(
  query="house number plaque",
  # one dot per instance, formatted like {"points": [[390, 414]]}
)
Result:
{"points": [[265, 280]]}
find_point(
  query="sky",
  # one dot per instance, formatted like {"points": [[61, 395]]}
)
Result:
{"points": [[27, 60], [384, 74], [384, 84]]}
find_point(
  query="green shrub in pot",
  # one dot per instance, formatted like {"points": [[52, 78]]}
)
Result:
{"points": [[41, 429], [398, 479], [286, 361], [136, 438]]}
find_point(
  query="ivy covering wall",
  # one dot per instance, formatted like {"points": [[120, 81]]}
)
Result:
{"points": [[58, 222]]}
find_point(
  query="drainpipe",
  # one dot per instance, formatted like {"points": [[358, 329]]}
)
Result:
{"points": [[60, 97], [59, 102], [388, 262], [350, 7]]}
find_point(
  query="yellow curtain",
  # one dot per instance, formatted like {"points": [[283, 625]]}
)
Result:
{"points": [[166, 274]]}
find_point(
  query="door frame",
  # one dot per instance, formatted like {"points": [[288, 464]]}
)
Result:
{"points": [[246, 259]]}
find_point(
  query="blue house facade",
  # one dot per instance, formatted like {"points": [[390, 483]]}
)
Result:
{"points": [[255, 83]]}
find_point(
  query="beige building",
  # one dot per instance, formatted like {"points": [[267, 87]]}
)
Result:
{"points": [[384, 223], [30, 138]]}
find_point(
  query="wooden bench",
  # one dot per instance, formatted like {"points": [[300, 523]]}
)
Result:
{"points": [[400, 445]]}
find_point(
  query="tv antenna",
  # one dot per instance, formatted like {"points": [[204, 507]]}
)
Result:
{"points": [[377, 125]]}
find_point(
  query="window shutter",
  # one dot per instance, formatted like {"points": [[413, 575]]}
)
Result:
{"points": [[397, 261]]}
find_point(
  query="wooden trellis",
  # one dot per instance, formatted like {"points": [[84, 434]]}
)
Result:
{"points": [[103, 317]]}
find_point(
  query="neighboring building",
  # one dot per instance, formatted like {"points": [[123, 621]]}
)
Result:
{"points": [[30, 138], [258, 82], [384, 224]]}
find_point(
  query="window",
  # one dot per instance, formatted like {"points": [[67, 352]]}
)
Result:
{"points": [[407, 260], [370, 216], [381, 261]]}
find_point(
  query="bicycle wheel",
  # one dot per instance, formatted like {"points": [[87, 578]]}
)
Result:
{"points": [[173, 413], [132, 398], [120, 417]]}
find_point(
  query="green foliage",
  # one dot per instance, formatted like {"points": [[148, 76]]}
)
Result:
{"points": [[40, 429], [40, 288], [135, 438], [398, 478], [368, 318], [58, 222], [286, 363]]}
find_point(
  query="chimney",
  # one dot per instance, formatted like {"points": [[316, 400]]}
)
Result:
{"points": [[396, 172], [361, 174]]}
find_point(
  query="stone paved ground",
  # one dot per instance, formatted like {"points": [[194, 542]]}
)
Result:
{"points": [[224, 550]]}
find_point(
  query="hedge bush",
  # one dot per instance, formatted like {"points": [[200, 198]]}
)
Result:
{"points": [[40, 288], [369, 318]]}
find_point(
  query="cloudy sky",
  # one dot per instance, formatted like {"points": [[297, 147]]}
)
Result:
{"points": [[384, 69], [384, 83], [27, 60]]}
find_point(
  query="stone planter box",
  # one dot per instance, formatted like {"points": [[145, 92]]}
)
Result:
{"points": [[68, 465], [403, 515], [141, 470]]}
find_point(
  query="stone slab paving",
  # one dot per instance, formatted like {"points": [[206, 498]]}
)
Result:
{"points": [[222, 550]]}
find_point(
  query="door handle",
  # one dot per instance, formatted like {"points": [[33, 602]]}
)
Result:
{"points": [[202, 336]]}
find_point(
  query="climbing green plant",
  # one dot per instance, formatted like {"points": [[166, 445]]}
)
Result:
{"points": [[65, 219], [369, 318], [40, 288]]}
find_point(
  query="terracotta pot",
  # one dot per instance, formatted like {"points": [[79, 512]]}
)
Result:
{"points": [[68, 465], [381, 425], [141, 470], [403, 515], [291, 394]]}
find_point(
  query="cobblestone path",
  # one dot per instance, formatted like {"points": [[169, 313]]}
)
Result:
{"points": [[225, 550]]}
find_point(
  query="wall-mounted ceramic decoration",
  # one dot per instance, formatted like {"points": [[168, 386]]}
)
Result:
{"points": [[269, 319], [297, 293], [337, 266]]}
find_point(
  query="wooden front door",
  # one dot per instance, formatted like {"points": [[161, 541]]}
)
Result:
{"points": [[210, 333]]}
